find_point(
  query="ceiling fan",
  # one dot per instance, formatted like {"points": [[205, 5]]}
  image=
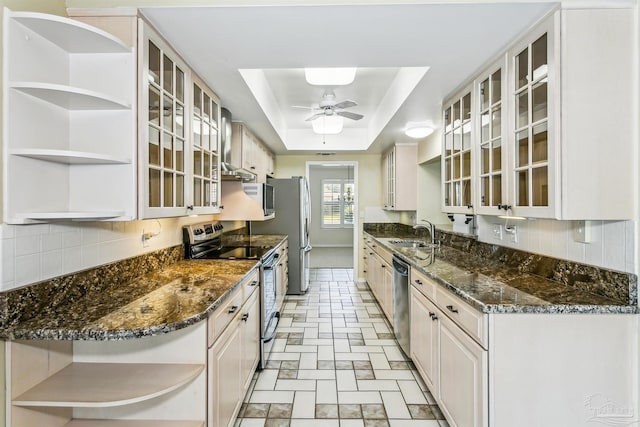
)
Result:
{"points": [[329, 107]]}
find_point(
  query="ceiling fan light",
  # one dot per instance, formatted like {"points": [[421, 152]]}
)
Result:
{"points": [[330, 76], [418, 131], [327, 125]]}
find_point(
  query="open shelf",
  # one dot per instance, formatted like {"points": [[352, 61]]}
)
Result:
{"points": [[70, 215], [69, 157], [133, 423], [72, 36], [101, 385], [71, 98]]}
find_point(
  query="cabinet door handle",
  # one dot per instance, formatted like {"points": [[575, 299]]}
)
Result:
{"points": [[245, 317], [451, 309], [233, 309], [433, 316], [419, 282], [383, 266], [254, 283]]}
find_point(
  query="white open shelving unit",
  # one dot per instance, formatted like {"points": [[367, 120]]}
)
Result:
{"points": [[69, 121]]}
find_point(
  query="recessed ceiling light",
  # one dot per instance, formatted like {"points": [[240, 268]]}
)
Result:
{"points": [[327, 125], [330, 76], [418, 130]]}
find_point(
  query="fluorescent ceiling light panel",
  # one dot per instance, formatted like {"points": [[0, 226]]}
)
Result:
{"points": [[327, 125], [330, 76]]}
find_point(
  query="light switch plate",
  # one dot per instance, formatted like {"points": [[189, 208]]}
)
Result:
{"points": [[497, 231], [582, 231]]}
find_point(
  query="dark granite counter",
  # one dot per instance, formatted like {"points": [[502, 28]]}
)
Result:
{"points": [[110, 303], [495, 281]]}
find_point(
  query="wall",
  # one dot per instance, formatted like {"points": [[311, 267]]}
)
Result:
{"points": [[327, 236]]}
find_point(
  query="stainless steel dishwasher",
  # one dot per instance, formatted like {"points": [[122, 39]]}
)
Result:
{"points": [[401, 303]]}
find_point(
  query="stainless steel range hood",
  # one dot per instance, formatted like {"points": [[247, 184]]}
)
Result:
{"points": [[230, 160]]}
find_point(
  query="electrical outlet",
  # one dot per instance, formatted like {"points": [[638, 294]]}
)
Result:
{"points": [[497, 231], [513, 233], [582, 231]]}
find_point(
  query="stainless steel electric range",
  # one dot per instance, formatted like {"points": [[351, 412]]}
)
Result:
{"points": [[204, 241]]}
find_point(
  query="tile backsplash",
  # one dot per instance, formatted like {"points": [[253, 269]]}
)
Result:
{"points": [[612, 244], [32, 253]]}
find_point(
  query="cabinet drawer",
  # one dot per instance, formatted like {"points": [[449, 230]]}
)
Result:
{"points": [[465, 316], [422, 283], [383, 253], [224, 314], [250, 284]]}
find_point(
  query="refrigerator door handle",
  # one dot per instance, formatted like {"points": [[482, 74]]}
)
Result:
{"points": [[307, 248]]}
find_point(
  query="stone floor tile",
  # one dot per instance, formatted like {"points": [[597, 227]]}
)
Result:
{"points": [[361, 397], [314, 423], [394, 405], [277, 422], [289, 364], [352, 423], [294, 341], [303, 385], [374, 411], [326, 391], [421, 412], [436, 412], [412, 393], [287, 374], [273, 364], [252, 422], [304, 405], [365, 374], [399, 365], [376, 423], [379, 361], [344, 364], [326, 364], [326, 411], [255, 410], [350, 411], [271, 397], [280, 410], [413, 423], [267, 380]]}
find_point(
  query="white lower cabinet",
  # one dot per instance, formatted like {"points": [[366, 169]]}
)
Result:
{"points": [[523, 369], [379, 276]]}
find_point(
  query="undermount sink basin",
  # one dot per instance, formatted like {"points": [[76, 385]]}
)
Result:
{"points": [[409, 243]]}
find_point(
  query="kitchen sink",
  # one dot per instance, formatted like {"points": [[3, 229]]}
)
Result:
{"points": [[410, 243]]}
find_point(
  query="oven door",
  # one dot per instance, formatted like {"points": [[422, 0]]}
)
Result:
{"points": [[270, 317]]}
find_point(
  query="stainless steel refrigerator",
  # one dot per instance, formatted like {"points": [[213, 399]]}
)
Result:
{"points": [[293, 215]]}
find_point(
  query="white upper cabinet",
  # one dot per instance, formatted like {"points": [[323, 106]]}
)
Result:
{"points": [[399, 178], [550, 135], [69, 121]]}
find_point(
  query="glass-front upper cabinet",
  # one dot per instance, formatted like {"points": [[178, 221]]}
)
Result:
{"points": [[163, 130], [457, 167], [206, 144], [533, 171], [491, 136]]}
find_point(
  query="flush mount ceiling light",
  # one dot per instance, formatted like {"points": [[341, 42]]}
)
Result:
{"points": [[330, 76], [417, 130], [327, 125]]}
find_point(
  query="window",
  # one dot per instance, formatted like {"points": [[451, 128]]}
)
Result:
{"points": [[337, 202]]}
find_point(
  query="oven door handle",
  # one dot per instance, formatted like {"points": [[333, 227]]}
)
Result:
{"points": [[273, 335]]}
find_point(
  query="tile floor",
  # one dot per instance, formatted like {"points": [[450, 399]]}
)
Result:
{"points": [[335, 364]]}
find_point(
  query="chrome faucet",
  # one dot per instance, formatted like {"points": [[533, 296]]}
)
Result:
{"points": [[430, 227]]}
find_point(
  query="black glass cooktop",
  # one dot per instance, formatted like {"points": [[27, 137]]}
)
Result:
{"points": [[244, 252]]}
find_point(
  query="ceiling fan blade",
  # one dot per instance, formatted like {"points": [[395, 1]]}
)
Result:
{"points": [[304, 107], [348, 115], [345, 104], [315, 116]]}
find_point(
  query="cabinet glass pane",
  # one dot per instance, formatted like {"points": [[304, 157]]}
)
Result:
{"points": [[484, 158], [466, 136], [168, 189], [154, 146], [540, 186], [167, 113], [179, 190], [206, 107], [448, 143], [522, 101], [179, 84], [522, 68], [207, 193], [197, 162], [457, 140], [522, 188], [496, 198], [447, 194], [466, 107], [197, 192], [213, 135], [214, 167], [154, 63], [154, 106], [197, 131], [539, 57], [167, 150], [484, 95], [205, 135], [214, 113], [197, 100], [496, 86], [496, 160], [484, 191], [456, 167], [167, 82], [539, 151], [447, 120], [179, 119], [447, 169], [523, 148], [466, 164], [539, 102], [214, 195], [456, 114], [207, 165], [179, 155], [484, 124], [154, 188], [466, 192], [496, 123], [457, 194]]}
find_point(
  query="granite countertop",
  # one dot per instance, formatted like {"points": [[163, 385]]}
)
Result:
{"points": [[169, 299], [491, 287]]}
